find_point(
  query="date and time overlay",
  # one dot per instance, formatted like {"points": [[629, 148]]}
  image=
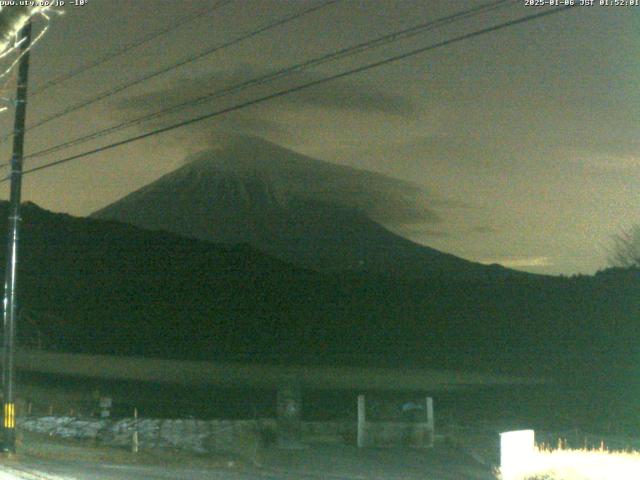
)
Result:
{"points": [[43, 3], [581, 3]]}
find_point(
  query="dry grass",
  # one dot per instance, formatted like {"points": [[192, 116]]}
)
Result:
{"points": [[44, 447], [578, 464]]}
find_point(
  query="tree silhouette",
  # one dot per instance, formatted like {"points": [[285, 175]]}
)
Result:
{"points": [[625, 251]]}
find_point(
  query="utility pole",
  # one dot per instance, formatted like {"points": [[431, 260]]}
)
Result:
{"points": [[11, 270]]}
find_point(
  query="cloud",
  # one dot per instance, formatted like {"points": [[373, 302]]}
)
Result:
{"points": [[284, 120], [346, 95], [519, 261], [391, 202], [343, 94], [418, 232], [594, 154], [462, 153], [606, 162], [213, 133], [387, 200], [482, 229], [397, 208]]}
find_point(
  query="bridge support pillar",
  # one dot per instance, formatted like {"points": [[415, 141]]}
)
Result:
{"points": [[289, 415], [362, 422]]}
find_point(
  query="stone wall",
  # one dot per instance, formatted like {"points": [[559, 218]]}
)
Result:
{"points": [[189, 434], [201, 436]]}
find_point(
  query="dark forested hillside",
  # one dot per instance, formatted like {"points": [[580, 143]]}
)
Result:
{"points": [[96, 286]]}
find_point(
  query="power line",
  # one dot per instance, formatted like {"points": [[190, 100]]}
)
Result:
{"points": [[130, 46], [262, 80], [174, 66], [298, 88]]}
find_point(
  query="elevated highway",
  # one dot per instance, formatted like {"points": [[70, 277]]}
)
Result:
{"points": [[233, 374]]}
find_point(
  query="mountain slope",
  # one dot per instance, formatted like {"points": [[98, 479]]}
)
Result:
{"points": [[302, 210], [98, 286]]}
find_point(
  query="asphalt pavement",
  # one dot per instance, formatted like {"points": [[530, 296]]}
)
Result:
{"points": [[317, 462]]}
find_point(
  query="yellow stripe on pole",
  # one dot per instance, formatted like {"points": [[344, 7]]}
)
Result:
{"points": [[9, 415]]}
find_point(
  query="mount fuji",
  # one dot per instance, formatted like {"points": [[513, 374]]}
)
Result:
{"points": [[305, 211]]}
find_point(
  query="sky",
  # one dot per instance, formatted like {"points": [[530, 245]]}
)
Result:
{"points": [[524, 140]]}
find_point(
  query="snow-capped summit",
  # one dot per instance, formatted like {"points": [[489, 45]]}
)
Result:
{"points": [[306, 211]]}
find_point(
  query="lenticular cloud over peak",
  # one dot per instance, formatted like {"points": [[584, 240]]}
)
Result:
{"points": [[302, 210]]}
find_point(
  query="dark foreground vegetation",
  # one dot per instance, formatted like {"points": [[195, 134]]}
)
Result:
{"points": [[102, 287]]}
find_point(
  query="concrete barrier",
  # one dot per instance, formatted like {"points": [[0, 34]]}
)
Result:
{"points": [[517, 452]]}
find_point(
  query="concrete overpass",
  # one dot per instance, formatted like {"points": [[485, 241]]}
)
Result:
{"points": [[202, 373], [288, 381]]}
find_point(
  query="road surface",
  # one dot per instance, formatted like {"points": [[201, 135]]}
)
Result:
{"points": [[319, 462]]}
